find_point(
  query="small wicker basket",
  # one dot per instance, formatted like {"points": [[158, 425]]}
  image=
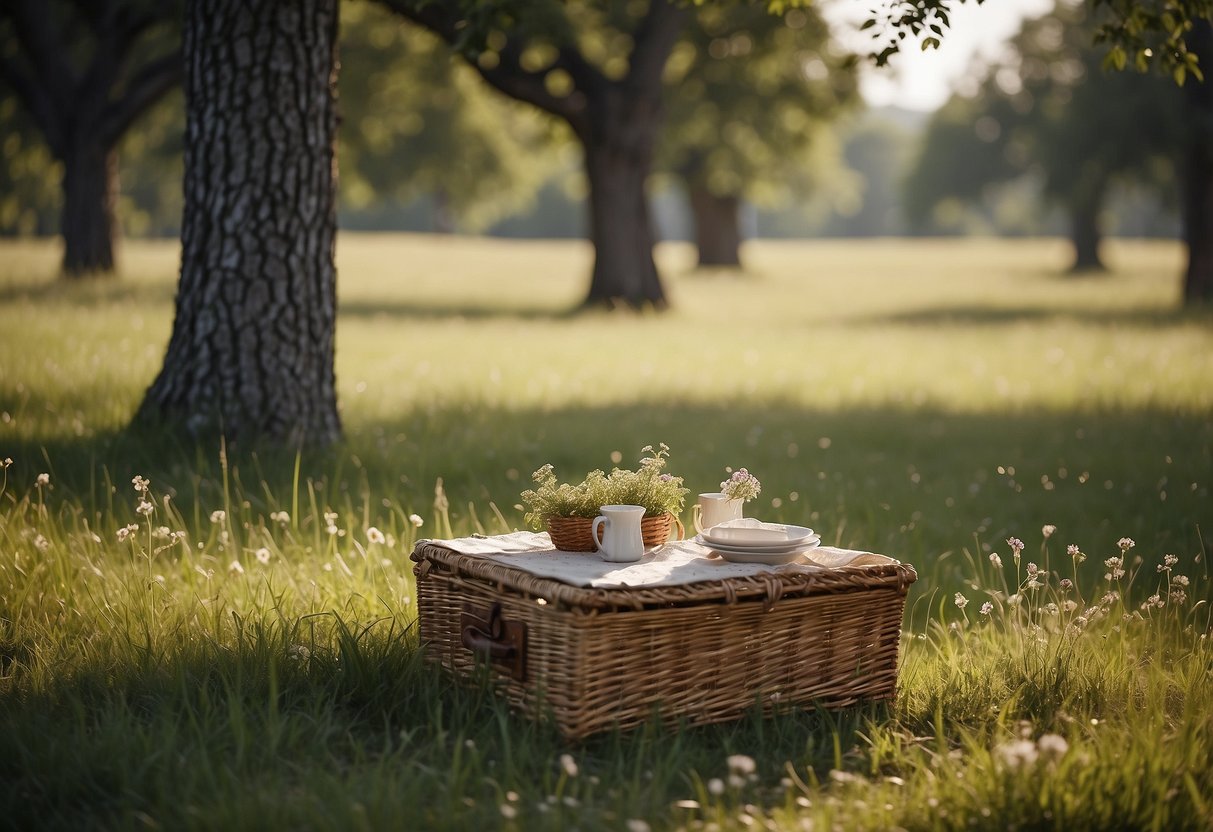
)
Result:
{"points": [[572, 534]]}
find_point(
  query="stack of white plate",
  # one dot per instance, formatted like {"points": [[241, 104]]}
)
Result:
{"points": [[751, 541]]}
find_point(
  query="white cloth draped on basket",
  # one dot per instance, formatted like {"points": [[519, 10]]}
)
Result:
{"points": [[677, 562]]}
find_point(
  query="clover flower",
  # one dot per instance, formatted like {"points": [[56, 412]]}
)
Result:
{"points": [[987, 608], [1073, 551], [1016, 547], [1047, 530], [145, 508], [961, 601], [1125, 544], [741, 486]]}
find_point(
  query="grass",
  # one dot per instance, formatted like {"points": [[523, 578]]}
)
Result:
{"points": [[923, 399]]}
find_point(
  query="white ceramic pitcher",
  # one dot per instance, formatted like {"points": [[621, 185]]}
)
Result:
{"points": [[713, 509], [622, 541]]}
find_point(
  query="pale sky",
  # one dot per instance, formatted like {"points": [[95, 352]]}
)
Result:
{"points": [[919, 80]]}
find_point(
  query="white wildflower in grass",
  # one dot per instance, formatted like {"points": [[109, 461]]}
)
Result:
{"points": [[331, 529], [416, 520], [8, 460], [1051, 609], [1126, 543], [43, 479], [140, 484], [1115, 567], [568, 765], [162, 533], [330, 517], [741, 486], [996, 560], [235, 568], [1047, 530], [1180, 580], [637, 825], [508, 811], [1052, 745], [1168, 562], [373, 535], [281, 517], [716, 786], [1177, 596], [1066, 584], [1076, 553], [1014, 600], [298, 652], [41, 543], [961, 601], [741, 764], [145, 508], [126, 531], [1017, 754], [218, 516], [987, 608], [263, 555], [1016, 547], [1153, 601]]}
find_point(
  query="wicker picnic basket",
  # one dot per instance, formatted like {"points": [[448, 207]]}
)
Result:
{"points": [[593, 659], [573, 534]]}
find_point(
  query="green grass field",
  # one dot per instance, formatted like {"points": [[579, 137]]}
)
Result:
{"points": [[926, 400]]}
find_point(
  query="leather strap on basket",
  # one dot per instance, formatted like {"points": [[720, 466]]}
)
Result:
{"points": [[493, 638]]}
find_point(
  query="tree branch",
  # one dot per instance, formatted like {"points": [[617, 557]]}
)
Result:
{"points": [[43, 48], [508, 76], [653, 41], [147, 87], [37, 102]]}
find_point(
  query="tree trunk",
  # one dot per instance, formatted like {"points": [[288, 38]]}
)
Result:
{"points": [[618, 157], [1198, 178], [251, 352], [87, 221], [1085, 234], [717, 227]]}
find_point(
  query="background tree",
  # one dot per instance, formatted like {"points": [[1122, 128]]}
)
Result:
{"points": [[598, 68], [749, 97], [418, 122], [1051, 112], [251, 352], [84, 72]]}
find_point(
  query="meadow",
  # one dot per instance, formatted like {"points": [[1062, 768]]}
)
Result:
{"points": [[244, 654]]}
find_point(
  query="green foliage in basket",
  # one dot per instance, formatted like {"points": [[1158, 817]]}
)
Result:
{"points": [[658, 492]]}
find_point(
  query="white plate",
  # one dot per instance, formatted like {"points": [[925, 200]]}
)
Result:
{"points": [[798, 546], [745, 554], [754, 534], [768, 558]]}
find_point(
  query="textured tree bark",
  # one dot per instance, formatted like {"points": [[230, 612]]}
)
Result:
{"points": [[251, 354], [717, 227], [87, 222], [1198, 178], [618, 158]]}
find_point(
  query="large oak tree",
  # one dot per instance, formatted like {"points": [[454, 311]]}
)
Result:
{"points": [[84, 72], [544, 54], [251, 352]]}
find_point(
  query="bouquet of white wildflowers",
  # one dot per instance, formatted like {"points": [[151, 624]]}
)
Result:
{"points": [[741, 486]]}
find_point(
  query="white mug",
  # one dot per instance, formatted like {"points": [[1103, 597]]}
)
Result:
{"points": [[713, 509], [621, 538]]}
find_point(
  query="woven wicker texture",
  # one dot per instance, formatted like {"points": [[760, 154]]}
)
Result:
{"points": [[705, 652], [573, 534]]}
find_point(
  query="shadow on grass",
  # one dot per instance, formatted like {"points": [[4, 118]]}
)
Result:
{"points": [[89, 293], [985, 315], [915, 484], [469, 312]]}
